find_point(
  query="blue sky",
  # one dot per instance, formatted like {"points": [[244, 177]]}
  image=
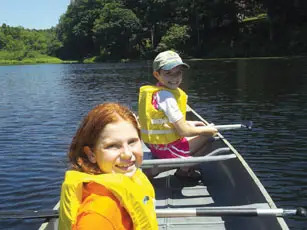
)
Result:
{"points": [[32, 14]]}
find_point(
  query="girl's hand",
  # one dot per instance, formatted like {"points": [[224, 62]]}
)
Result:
{"points": [[212, 130]]}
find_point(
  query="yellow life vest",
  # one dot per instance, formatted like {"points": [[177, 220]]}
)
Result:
{"points": [[155, 127], [135, 193]]}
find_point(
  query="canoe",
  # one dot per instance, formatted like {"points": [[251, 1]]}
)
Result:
{"points": [[229, 195]]}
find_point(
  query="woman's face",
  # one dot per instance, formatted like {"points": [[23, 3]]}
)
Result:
{"points": [[119, 149]]}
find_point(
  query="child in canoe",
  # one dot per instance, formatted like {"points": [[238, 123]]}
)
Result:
{"points": [[105, 189], [162, 115]]}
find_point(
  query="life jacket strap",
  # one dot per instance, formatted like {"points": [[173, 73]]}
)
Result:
{"points": [[157, 132], [159, 121]]}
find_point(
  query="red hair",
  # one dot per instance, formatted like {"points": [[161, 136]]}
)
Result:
{"points": [[90, 129]]}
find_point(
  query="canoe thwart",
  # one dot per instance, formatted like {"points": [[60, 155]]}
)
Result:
{"points": [[177, 162], [218, 151]]}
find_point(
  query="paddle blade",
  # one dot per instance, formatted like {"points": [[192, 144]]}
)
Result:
{"points": [[301, 212], [247, 124]]}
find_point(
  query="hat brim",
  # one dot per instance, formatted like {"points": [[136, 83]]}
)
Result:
{"points": [[173, 65]]}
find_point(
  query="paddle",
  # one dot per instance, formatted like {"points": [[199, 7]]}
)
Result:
{"points": [[230, 211], [163, 213], [247, 124], [29, 214]]}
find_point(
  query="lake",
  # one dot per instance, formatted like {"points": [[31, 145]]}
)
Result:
{"points": [[41, 107]]}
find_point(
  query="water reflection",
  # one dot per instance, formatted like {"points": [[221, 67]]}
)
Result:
{"points": [[268, 80], [105, 82]]}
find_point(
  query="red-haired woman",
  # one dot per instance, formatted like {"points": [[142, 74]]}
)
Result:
{"points": [[105, 189]]}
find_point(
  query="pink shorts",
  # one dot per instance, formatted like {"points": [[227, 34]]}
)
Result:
{"points": [[176, 149]]}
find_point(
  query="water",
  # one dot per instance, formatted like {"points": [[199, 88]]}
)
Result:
{"points": [[42, 105]]}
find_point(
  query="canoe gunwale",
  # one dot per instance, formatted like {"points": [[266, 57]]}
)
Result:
{"points": [[263, 191]]}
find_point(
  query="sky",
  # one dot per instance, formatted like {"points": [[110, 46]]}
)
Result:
{"points": [[32, 14]]}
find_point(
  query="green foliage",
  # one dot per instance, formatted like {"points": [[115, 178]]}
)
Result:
{"points": [[145, 48], [90, 60], [175, 38], [17, 43], [115, 30], [33, 57], [256, 18], [100, 30], [75, 29]]}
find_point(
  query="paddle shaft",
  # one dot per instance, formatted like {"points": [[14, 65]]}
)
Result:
{"points": [[228, 127], [222, 127], [225, 212], [168, 213]]}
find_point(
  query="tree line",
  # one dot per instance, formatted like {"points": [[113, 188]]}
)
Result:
{"points": [[121, 29], [18, 43]]}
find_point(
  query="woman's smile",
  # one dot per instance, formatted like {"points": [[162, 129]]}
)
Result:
{"points": [[126, 166]]}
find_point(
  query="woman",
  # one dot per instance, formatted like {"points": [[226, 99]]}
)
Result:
{"points": [[105, 189]]}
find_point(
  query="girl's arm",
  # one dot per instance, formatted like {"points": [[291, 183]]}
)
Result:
{"points": [[193, 128], [167, 103]]}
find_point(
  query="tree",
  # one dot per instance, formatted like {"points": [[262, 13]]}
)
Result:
{"points": [[18, 42], [175, 38], [115, 31], [75, 28]]}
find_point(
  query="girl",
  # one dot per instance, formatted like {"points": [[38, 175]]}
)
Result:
{"points": [[105, 189], [162, 113]]}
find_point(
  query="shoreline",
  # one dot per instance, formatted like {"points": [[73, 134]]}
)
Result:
{"points": [[54, 60], [34, 61]]}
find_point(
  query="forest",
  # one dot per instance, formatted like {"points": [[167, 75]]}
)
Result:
{"points": [[103, 30]]}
